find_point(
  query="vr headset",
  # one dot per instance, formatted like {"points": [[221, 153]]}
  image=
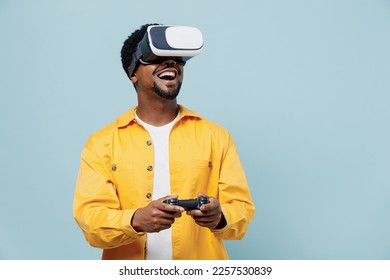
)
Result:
{"points": [[162, 42]]}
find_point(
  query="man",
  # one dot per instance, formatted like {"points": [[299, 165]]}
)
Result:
{"points": [[157, 151]]}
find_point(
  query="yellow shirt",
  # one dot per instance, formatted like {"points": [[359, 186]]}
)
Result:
{"points": [[116, 178]]}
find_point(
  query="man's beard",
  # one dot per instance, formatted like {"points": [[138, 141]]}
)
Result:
{"points": [[167, 94]]}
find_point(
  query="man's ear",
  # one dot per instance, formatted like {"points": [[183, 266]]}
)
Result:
{"points": [[134, 79]]}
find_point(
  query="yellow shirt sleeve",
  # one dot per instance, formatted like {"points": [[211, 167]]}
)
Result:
{"points": [[234, 195], [96, 206]]}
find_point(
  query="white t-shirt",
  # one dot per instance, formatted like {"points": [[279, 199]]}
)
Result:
{"points": [[159, 244]]}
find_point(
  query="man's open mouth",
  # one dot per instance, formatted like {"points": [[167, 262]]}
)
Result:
{"points": [[167, 75]]}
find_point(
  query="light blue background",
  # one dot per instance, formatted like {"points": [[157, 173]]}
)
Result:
{"points": [[303, 87]]}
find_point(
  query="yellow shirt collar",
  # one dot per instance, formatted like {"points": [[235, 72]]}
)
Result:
{"points": [[129, 117]]}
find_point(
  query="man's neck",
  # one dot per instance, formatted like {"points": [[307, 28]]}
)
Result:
{"points": [[158, 113]]}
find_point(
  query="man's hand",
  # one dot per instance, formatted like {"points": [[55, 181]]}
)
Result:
{"points": [[156, 216], [209, 215]]}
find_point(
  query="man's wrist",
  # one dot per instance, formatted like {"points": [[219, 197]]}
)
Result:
{"points": [[134, 223], [222, 222]]}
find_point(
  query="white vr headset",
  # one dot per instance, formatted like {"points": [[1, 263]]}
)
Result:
{"points": [[161, 42]]}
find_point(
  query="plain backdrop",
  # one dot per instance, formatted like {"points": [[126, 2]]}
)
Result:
{"points": [[303, 86]]}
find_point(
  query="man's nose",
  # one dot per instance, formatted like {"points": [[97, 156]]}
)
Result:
{"points": [[169, 62]]}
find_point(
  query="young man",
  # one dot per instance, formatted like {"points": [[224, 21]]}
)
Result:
{"points": [[157, 151]]}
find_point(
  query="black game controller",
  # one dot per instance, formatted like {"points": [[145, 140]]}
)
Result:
{"points": [[188, 204]]}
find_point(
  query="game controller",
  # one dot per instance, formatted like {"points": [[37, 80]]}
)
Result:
{"points": [[188, 204]]}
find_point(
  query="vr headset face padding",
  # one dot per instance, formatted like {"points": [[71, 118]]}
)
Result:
{"points": [[160, 41]]}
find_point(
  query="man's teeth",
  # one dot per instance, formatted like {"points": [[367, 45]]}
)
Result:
{"points": [[167, 75]]}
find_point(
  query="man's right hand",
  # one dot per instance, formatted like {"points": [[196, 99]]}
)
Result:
{"points": [[156, 216]]}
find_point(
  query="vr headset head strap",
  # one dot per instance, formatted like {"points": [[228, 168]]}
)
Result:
{"points": [[134, 61]]}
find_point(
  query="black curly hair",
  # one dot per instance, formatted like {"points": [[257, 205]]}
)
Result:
{"points": [[130, 46]]}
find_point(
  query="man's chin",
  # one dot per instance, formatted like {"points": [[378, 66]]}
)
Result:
{"points": [[169, 94]]}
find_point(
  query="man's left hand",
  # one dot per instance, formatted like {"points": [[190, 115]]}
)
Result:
{"points": [[209, 215]]}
